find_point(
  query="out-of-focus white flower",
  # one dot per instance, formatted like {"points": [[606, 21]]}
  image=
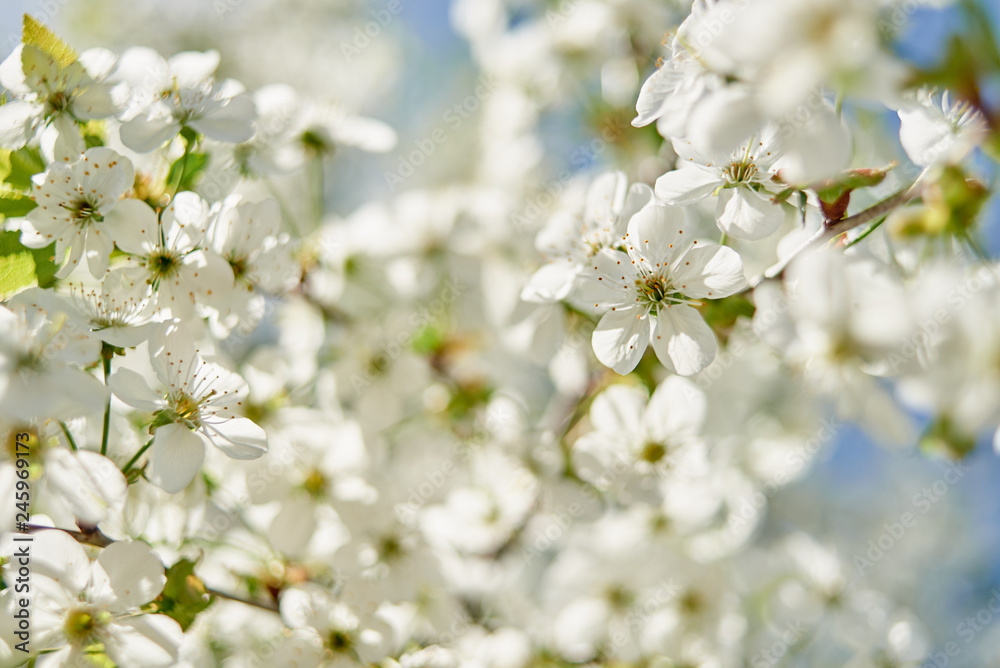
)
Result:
{"points": [[787, 49], [292, 128], [480, 517], [247, 236], [845, 319], [936, 130], [634, 443], [40, 358], [609, 206], [683, 95], [168, 95], [54, 95], [329, 632]]}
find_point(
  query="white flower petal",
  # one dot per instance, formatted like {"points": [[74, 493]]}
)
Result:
{"points": [[175, 458], [127, 575], [677, 408], [621, 338], [607, 280], [88, 483], [193, 68], [551, 282], [133, 226], [12, 73], [146, 640], [656, 235], [17, 123], [709, 271], [687, 184], [683, 342], [618, 409], [745, 214], [239, 438], [231, 122], [605, 198], [724, 119], [654, 94], [133, 389], [146, 133], [366, 134], [58, 556]]}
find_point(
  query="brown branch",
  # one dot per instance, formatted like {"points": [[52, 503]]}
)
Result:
{"points": [[270, 606], [97, 538], [834, 228]]}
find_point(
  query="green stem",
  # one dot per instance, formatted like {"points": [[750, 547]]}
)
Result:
{"points": [[977, 248], [107, 408], [832, 229], [184, 161], [135, 458], [318, 189], [874, 226], [286, 212], [724, 240], [69, 436]]}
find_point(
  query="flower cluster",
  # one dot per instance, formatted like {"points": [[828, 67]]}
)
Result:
{"points": [[495, 418]]}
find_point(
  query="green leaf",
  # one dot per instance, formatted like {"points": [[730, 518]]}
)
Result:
{"points": [[428, 340], [14, 204], [4, 164], [94, 133], [722, 314], [22, 267], [944, 437], [38, 35], [835, 193], [24, 163], [162, 418], [186, 170], [183, 596]]}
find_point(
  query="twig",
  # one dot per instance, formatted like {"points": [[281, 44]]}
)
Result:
{"points": [[69, 436], [835, 228], [97, 538], [263, 605]]}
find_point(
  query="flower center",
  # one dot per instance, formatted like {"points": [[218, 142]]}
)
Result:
{"points": [[390, 548], [58, 101], [692, 604], [315, 483], [164, 264], [741, 171], [339, 642], [654, 289], [314, 142], [239, 266], [84, 212], [185, 409], [652, 452], [30, 361], [619, 597], [81, 624]]}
